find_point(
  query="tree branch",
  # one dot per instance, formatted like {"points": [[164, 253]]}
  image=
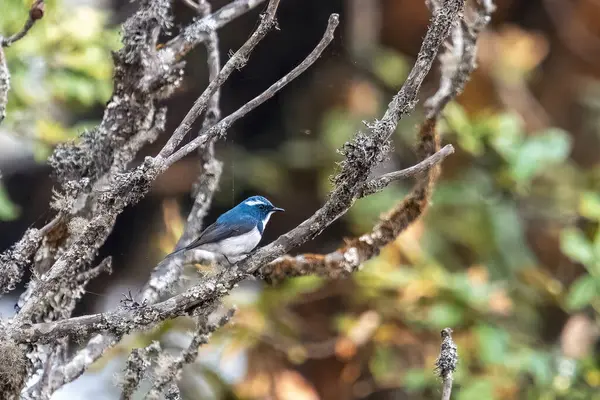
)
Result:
{"points": [[4, 84], [446, 362], [137, 364], [36, 12], [199, 30], [170, 373], [359, 161], [163, 278], [348, 258], [376, 185], [238, 60]]}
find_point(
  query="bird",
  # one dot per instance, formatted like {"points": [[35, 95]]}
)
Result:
{"points": [[236, 232]]}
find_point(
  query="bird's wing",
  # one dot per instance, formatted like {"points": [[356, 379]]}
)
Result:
{"points": [[219, 231]]}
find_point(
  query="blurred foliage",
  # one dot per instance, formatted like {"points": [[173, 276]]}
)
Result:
{"points": [[473, 263], [508, 254], [8, 210], [59, 70]]}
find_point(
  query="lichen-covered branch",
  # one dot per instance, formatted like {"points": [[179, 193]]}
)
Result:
{"points": [[163, 278], [4, 84], [457, 63], [445, 365], [95, 184], [376, 185], [138, 362], [237, 61], [170, 372], [199, 30], [168, 273]]}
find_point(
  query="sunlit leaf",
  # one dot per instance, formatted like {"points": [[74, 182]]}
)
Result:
{"points": [[509, 135], [477, 389], [589, 205], [493, 343], [576, 246], [539, 152], [415, 379], [445, 315], [390, 67], [459, 123], [8, 210], [581, 292]]}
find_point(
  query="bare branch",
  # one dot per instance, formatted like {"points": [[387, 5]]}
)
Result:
{"points": [[365, 152], [446, 362], [199, 30], [80, 362], [4, 84], [170, 271], [459, 60], [340, 200], [170, 373], [160, 282], [350, 257], [235, 62], [14, 260], [36, 12], [378, 184], [138, 363]]}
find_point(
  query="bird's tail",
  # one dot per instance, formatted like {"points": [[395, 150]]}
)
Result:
{"points": [[181, 250]]}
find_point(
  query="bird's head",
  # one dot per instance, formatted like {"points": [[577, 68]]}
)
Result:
{"points": [[260, 208]]}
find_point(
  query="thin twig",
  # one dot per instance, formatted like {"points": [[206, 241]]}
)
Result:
{"points": [[167, 273], [4, 84], [159, 283], [182, 303], [446, 362], [198, 31], [237, 61], [138, 363], [169, 373], [36, 12], [378, 184]]}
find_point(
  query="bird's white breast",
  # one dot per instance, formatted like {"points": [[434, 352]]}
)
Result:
{"points": [[237, 245]]}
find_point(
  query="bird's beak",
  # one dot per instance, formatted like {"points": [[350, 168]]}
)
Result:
{"points": [[278, 209]]}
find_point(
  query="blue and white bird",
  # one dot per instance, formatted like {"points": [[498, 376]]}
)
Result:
{"points": [[236, 232]]}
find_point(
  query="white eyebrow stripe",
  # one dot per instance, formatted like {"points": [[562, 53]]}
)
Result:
{"points": [[254, 202]]}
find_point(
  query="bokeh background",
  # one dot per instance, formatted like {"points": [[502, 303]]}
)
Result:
{"points": [[508, 254]]}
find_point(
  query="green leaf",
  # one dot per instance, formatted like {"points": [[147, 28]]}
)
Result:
{"points": [[589, 205], [508, 136], [444, 314], [581, 293], [478, 389], [8, 210], [576, 246], [459, 123], [390, 67], [540, 152], [415, 380], [540, 366], [493, 344]]}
